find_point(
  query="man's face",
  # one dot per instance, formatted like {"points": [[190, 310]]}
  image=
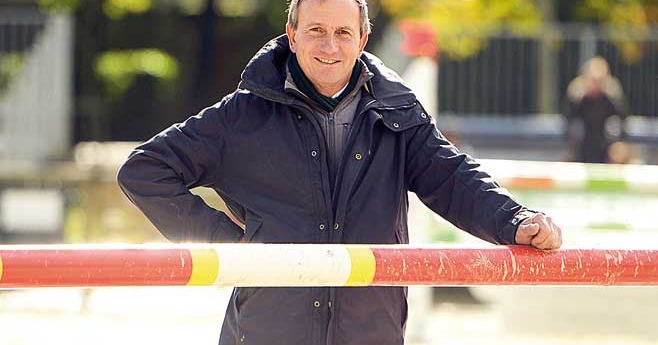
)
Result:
{"points": [[327, 42]]}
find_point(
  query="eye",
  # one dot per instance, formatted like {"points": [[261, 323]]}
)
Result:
{"points": [[316, 30], [345, 33]]}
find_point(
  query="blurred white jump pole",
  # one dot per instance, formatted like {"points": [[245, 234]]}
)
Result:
{"points": [[421, 75]]}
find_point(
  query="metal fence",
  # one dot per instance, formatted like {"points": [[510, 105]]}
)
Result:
{"points": [[35, 84], [524, 75]]}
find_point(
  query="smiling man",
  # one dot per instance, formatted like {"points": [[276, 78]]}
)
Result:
{"points": [[320, 143]]}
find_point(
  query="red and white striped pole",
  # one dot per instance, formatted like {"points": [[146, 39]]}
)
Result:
{"points": [[320, 265]]}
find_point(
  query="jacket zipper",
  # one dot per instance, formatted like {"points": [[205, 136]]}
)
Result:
{"points": [[331, 135], [325, 180]]}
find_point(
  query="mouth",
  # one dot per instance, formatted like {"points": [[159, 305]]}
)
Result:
{"points": [[327, 61]]}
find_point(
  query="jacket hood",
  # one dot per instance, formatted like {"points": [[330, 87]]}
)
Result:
{"points": [[265, 75]]}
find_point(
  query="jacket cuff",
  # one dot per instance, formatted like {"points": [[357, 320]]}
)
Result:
{"points": [[508, 233], [228, 232]]}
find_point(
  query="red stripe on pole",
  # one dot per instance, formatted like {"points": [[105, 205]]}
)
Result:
{"points": [[514, 265], [95, 267]]}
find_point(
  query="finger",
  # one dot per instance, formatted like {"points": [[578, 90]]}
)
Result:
{"points": [[554, 238], [528, 226], [544, 221], [557, 234], [526, 232], [544, 231], [543, 237], [549, 243]]}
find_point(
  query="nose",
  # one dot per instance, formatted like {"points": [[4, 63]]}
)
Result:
{"points": [[329, 44]]}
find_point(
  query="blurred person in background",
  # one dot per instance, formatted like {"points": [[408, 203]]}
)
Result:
{"points": [[625, 153], [592, 99], [319, 144]]}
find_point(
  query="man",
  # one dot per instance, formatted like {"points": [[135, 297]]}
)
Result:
{"points": [[319, 144]]}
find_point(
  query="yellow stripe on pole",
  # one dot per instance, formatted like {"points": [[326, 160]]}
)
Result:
{"points": [[205, 267], [363, 266]]}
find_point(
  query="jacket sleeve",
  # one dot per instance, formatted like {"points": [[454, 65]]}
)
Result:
{"points": [[455, 187], [158, 175]]}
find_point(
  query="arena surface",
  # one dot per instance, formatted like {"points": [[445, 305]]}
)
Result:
{"points": [[192, 315]]}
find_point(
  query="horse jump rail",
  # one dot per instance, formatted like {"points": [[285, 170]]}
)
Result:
{"points": [[319, 265]]}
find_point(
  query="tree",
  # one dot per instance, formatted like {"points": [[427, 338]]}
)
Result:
{"points": [[143, 64], [462, 26]]}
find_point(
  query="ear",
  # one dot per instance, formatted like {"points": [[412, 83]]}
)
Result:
{"points": [[290, 32], [362, 43]]}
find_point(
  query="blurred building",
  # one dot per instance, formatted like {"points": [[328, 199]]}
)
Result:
{"points": [[35, 83], [505, 100], [35, 119]]}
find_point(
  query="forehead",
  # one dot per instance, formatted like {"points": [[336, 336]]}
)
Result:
{"points": [[339, 13]]}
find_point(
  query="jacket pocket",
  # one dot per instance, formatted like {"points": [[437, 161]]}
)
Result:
{"points": [[402, 118]]}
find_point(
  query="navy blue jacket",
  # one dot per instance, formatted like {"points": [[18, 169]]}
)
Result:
{"points": [[263, 153]]}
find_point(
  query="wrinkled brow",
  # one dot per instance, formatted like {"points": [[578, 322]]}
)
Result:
{"points": [[348, 28]]}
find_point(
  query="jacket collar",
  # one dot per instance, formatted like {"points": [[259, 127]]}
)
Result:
{"points": [[265, 75]]}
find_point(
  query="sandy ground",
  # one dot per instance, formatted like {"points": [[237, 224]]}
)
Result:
{"points": [[172, 315]]}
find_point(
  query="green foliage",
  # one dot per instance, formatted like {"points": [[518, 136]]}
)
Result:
{"points": [[238, 8], [10, 65], [612, 11], [623, 18], [191, 7], [118, 69], [276, 17], [117, 9], [463, 26], [66, 6]]}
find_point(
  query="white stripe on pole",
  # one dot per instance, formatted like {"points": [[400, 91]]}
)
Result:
{"points": [[295, 265]]}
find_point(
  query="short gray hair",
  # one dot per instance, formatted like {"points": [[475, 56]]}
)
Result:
{"points": [[293, 15]]}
